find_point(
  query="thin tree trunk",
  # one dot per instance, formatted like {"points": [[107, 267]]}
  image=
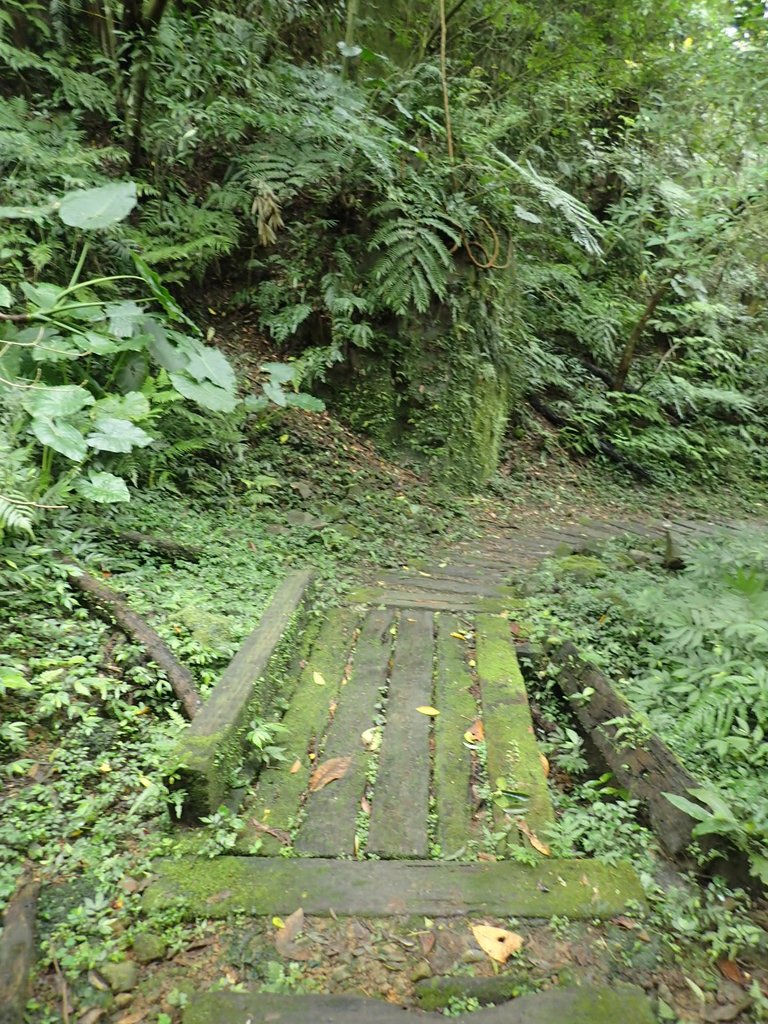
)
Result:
{"points": [[628, 355]]}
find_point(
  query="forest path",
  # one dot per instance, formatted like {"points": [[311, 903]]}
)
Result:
{"points": [[412, 751]]}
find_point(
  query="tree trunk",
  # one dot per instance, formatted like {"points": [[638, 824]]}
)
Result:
{"points": [[628, 355]]}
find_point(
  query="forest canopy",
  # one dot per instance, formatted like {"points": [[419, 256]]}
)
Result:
{"points": [[451, 221]]}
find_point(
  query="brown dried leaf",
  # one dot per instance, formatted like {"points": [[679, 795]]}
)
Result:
{"points": [[476, 732], [277, 833], [544, 765], [295, 766], [329, 771], [731, 970], [498, 943], [532, 838], [365, 805], [625, 922], [286, 936], [427, 942]]}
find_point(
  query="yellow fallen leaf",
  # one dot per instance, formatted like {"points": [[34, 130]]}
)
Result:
{"points": [[459, 636], [498, 943], [532, 838], [426, 710], [317, 678], [544, 765], [278, 922], [295, 766]]}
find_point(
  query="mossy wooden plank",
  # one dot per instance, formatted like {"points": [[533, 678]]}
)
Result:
{"points": [[513, 753], [277, 798], [213, 744], [453, 763], [443, 585], [417, 599], [587, 1004], [579, 889], [329, 827], [401, 795]]}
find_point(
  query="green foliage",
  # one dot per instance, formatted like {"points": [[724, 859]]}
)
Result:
{"points": [[690, 651]]}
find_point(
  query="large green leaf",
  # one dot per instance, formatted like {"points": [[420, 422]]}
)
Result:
{"points": [[123, 317], [280, 373], [304, 401], [210, 364], [105, 488], [62, 437], [98, 207], [206, 394], [133, 406], [44, 296], [65, 400], [111, 434]]}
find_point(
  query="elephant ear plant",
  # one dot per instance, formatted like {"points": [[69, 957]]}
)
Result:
{"points": [[87, 367]]}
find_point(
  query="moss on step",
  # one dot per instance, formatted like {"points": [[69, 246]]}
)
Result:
{"points": [[582, 568], [512, 751], [579, 889]]}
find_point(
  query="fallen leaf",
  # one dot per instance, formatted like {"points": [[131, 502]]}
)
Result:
{"points": [[329, 771], [532, 838], [365, 805], [624, 922], [278, 922], [95, 1013], [491, 857], [475, 733], [425, 709], [514, 628], [427, 942], [295, 766], [371, 739], [498, 943], [459, 636], [731, 970], [317, 678], [544, 765], [277, 833], [293, 926]]}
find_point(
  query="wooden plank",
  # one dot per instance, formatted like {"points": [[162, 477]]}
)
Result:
{"points": [[329, 827], [278, 885], [597, 1004], [416, 600], [442, 586], [401, 794], [453, 763], [214, 742], [276, 800], [512, 751], [17, 951]]}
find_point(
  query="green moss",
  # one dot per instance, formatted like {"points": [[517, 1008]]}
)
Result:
{"points": [[216, 888], [582, 568], [512, 751]]}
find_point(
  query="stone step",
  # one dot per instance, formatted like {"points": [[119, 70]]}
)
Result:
{"points": [[588, 1004], [579, 889]]}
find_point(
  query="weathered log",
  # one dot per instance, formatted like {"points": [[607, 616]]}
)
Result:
{"points": [[17, 950], [647, 771], [111, 604], [164, 545]]}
